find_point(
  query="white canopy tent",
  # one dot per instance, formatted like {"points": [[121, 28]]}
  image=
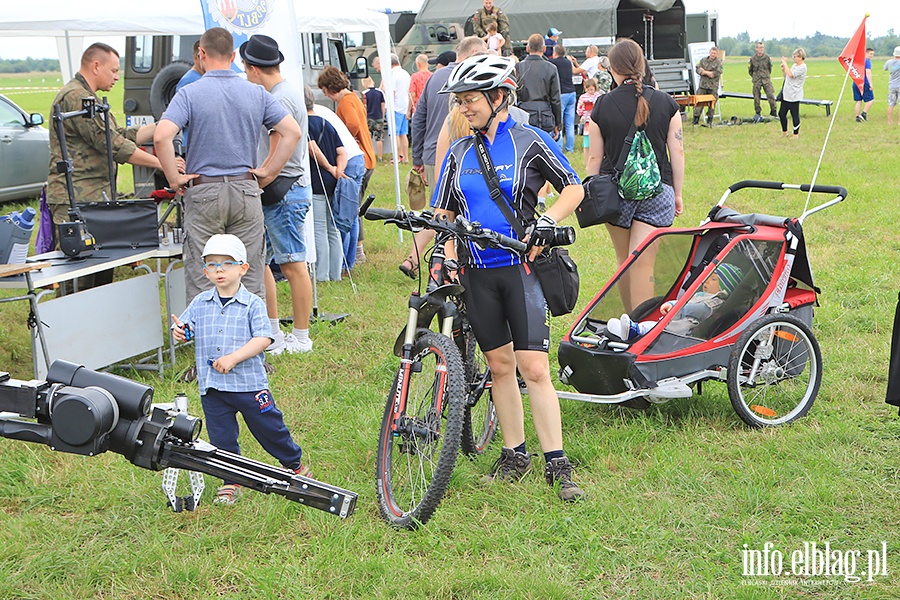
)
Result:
{"points": [[71, 23]]}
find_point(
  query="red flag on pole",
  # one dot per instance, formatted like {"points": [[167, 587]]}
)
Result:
{"points": [[853, 56]]}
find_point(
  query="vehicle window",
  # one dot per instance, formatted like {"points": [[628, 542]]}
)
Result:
{"points": [[10, 116], [142, 59], [334, 57], [317, 50]]}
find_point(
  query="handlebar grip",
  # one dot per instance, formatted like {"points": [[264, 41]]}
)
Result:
{"points": [[837, 190], [365, 205], [383, 214], [780, 185], [511, 243]]}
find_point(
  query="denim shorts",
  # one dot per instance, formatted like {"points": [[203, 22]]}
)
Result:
{"points": [[285, 232]]}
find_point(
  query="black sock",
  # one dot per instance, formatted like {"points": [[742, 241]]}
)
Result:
{"points": [[520, 448], [548, 456]]}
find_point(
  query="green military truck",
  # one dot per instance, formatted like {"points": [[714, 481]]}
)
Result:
{"points": [[661, 27]]}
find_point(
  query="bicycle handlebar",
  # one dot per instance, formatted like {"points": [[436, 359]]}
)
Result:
{"points": [[460, 228]]}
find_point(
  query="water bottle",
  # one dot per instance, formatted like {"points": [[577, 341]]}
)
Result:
{"points": [[21, 235], [15, 236]]}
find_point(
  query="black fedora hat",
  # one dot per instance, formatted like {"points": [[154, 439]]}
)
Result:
{"points": [[262, 51], [444, 58]]}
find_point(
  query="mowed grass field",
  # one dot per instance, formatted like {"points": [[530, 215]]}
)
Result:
{"points": [[676, 493]]}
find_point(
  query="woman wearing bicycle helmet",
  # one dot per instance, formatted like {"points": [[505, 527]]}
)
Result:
{"points": [[503, 296]]}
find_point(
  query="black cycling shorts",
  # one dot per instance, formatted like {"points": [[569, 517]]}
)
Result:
{"points": [[506, 304]]}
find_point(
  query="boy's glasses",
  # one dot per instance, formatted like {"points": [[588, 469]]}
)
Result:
{"points": [[225, 264]]}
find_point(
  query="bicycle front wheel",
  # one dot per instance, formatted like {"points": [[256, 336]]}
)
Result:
{"points": [[420, 433]]}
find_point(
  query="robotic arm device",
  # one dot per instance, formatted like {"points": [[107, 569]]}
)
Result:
{"points": [[80, 411]]}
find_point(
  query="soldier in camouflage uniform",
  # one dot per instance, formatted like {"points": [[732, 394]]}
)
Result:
{"points": [[86, 138], [710, 70], [760, 69], [86, 145], [489, 13]]}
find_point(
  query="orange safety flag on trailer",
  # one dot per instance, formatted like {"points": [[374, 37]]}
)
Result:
{"points": [[853, 56]]}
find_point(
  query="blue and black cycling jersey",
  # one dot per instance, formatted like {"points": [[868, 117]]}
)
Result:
{"points": [[524, 158]]}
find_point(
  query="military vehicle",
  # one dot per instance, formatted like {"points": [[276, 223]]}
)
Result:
{"points": [[659, 26]]}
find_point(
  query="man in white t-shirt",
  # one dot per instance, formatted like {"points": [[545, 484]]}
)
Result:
{"points": [[591, 64], [401, 106]]}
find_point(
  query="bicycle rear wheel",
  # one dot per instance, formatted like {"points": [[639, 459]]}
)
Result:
{"points": [[480, 418], [419, 441]]}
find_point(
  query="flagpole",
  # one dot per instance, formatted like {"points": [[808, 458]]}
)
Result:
{"points": [[825, 144], [836, 108]]}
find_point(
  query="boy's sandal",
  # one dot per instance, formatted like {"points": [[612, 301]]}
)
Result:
{"points": [[228, 494], [189, 374], [408, 268]]}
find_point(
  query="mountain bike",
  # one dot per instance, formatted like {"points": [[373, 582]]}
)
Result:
{"points": [[440, 400]]}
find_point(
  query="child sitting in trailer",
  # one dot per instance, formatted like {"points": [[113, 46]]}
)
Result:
{"points": [[709, 297]]}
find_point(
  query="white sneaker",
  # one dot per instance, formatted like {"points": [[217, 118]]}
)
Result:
{"points": [[614, 327], [294, 345], [278, 346], [621, 328], [628, 328]]}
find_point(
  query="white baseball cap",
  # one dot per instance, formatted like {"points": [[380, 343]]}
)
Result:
{"points": [[226, 244], [897, 51]]}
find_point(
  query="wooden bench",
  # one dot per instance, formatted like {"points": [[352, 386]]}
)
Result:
{"points": [[826, 103]]}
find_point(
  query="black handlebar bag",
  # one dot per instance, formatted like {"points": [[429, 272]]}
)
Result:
{"points": [[122, 224]]}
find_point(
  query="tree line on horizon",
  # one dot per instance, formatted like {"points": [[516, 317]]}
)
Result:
{"points": [[29, 65], [817, 45]]}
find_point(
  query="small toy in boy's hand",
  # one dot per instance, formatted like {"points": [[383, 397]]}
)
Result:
{"points": [[188, 332]]}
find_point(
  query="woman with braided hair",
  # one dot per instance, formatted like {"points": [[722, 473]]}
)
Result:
{"points": [[632, 102]]}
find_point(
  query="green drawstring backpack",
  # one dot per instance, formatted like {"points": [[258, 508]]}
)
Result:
{"points": [[640, 179]]}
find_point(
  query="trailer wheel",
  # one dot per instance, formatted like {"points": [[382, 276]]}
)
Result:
{"points": [[162, 90], [775, 371]]}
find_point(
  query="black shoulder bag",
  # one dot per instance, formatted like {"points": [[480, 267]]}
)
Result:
{"points": [[601, 192], [277, 189], [555, 269]]}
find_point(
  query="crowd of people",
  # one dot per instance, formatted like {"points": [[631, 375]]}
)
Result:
{"points": [[263, 154]]}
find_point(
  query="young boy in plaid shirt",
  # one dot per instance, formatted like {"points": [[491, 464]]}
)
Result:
{"points": [[231, 331]]}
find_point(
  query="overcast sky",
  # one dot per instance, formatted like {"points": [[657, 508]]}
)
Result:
{"points": [[762, 19]]}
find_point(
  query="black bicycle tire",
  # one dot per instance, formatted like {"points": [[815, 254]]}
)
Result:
{"points": [[735, 392], [475, 440], [417, 514]]}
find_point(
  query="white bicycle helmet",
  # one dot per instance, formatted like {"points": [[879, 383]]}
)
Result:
{"points": [[481, 73]]}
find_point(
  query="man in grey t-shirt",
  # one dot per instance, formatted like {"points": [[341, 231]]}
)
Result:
{"points": [[221, 194]]}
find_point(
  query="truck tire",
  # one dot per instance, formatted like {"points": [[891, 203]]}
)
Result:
{"points": [[162, 90]]}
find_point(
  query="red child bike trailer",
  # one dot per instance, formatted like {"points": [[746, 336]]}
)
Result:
{"points": [[758, 337]]}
